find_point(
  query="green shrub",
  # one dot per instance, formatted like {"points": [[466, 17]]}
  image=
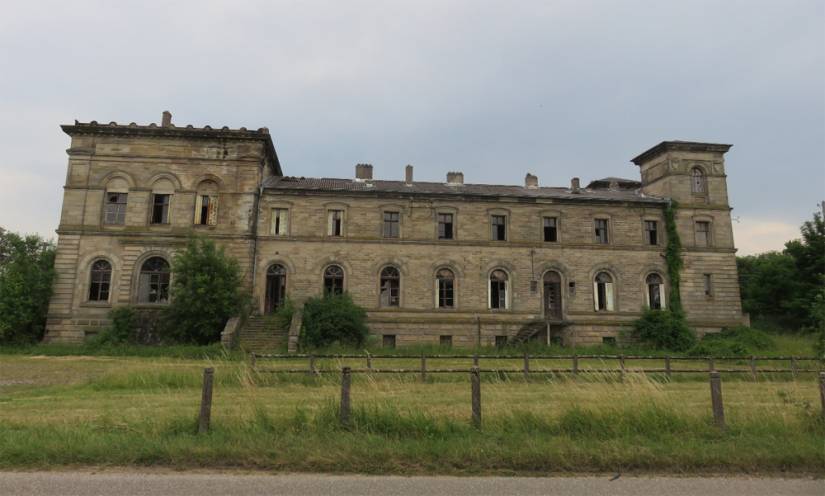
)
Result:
{"points": [[26, 274], [734, 341], [282, 317], [330, 320], [663, 329], [121, 330]]}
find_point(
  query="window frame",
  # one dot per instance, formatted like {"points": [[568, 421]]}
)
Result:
{"points": [[707, 285], [331, 213], [121, 208], [164, 281], [646, 232], [392, 301], [452, 289], [335, 290], [607, 235], [608, 304], [661, 291], [165, 208], [452, 224], [555, 227], [697, 222], [499, 229], [388, 225], [275, 218], [507, 290], [700, 187], [92, 283]]}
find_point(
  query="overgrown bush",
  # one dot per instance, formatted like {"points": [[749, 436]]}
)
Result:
{"points": [[734, 341], [663, 329], [330, 320], [26, 275], [205, 293], [121, 330], [282, 317]]}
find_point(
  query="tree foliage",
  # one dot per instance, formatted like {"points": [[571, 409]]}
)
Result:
{"points": [[673, 258], [664, 330], [26, 275], [333, 319], [205, 293]]}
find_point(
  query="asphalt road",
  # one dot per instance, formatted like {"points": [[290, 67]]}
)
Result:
{"points": [[203, 484]]}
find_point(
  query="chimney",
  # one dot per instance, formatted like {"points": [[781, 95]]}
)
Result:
{"points": [[455, 178], [531, 181], [408, 175], [363, 172], [166, 120], [574, 185]]}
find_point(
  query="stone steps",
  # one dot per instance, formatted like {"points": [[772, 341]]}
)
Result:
{"points": [[260, 336]]}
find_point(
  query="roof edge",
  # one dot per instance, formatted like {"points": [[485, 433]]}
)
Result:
{"points": [[685, 146]]}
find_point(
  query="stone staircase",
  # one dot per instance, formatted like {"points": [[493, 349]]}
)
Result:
{"points": [[533, 328], [261, 335]]}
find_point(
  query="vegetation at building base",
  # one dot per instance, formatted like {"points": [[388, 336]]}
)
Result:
{"points": [[26, 275], [333, 319]]}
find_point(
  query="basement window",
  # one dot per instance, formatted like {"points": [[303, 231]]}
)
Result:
{"points": [[388, 340], [445, 341]]}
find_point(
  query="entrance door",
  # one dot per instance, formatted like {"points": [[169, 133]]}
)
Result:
{"points": [[275, 288], [552, 295]]}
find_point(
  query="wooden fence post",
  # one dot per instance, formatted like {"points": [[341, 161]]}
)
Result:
{"points": [[475, 360], [794, 369], [369, 361], [667, 366], [345, 403], [206, 401], [312, 364], [621, 366], [716, 399], [252, 359], [822, 392], [423, 368], [475, 381], [711, 364], [575, 364], [753, 367], [526, 366]]}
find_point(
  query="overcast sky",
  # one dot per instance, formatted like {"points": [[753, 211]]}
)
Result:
{"points": [[494, 89]]}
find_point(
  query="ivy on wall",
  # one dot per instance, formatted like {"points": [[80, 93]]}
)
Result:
{"points": [[673, 257]]}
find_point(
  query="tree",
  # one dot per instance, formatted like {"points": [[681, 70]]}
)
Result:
{"points": [[771, 289], [206, 292], [808, 254], [333, 319], [26, 275]]}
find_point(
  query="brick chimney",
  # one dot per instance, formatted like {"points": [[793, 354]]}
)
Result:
{"points": [[363, 172], [531, 181], [575, 186], [455, 178], [408, 175], [166, 120]]}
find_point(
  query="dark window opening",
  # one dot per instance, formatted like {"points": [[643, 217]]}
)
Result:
{"points": [[333, 280], [654, 291], [335, 222], [388, 341], [115, 209], [609, 340], [651, 232], [203, 214], [392, 224], [604, 291], [499, 227], [550, 230], [101, 278], [601, 231], [445, 226], [390, 287], [445, 341], [498, 289], [160, 209], [702, 233], [153, 282], [707, 281], [275, 288], [446, 288], [501, 341], [697, 183]]}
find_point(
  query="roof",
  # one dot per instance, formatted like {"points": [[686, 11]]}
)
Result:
{"points": [[614, 183], [676, 145], [422, 188], [172, 131]]}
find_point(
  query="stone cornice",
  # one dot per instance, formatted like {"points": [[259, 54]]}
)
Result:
{"points": [[682, 146]]}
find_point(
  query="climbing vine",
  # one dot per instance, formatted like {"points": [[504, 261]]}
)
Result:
{"points": [[673, 257]]}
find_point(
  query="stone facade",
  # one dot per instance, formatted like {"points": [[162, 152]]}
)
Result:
{"points": [[240, 173]]}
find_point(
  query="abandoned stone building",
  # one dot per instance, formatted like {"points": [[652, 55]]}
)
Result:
{"points": [[432, 262]]}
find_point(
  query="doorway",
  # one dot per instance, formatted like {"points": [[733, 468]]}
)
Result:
{"points": [[275, 288], [552, 295]]}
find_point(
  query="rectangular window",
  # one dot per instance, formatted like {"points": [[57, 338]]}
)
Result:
{"points": [[702, 233], [388, 340], [280, 221], [609, 340], [336, 223], [392, 227], [115, 209], [160, 209], [707, 282], [499, 227], [601, 231], [446, 341], [446, 293], [550, 230], [206, 210], [501, 341], [651, 232], [445, 226]]}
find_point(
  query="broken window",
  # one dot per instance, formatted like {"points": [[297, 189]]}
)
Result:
{"points": [[498, 289], [499, 227], [101, 278], [652, 232], [551, 229], [280, 221], [206, 210], [114, 212], [445, 287], [392, 224], [601, 231], [390, 287], [697, 181], [160, 208], [702, 233], [153, 281], [445, 226], [603, 292], [335, 225], [707, 281], [333, 280], [655, 292]]}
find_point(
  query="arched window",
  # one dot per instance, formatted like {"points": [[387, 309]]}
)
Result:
{"points": [[153, 282], [101, 279], [390, 287], [333, 280], [603, 292], [445, 288], [697, 181], [499, 284], [552, 294], [275, 287], [655, 291], [206, 204]]}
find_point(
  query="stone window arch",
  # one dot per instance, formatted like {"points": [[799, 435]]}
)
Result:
{"points": [[654, 291], [698, 181], [100, 280], [206, 203], [333, 280], [604, 298], [498, 294], [445, 288], [153, 281], [275, 287], [390, 287]]}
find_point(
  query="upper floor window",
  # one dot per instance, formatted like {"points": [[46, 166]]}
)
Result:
{"points": [[498, 223], [333, 280], [101, 278], [707, 283], [697, 181], [499, 285], [390, 287], [280, 221], [655, 292], [652, 232], [153, 281], [392, 224], [160, 208], [114, 212], [702, 233], [551, 234], [601, 231], [206, 210], [335, 224], [445, 226], [603, 292], [445, 288]]}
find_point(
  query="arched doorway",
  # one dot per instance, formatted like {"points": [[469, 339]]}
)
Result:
{"points": [[275, 288], [552, 295]]}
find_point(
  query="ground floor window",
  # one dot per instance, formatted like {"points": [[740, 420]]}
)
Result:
{"points": [[445, 341], [275, 287], [333, 280], [153, 281], [603, 292], [498, 289], [388, 341], [655, 292]]}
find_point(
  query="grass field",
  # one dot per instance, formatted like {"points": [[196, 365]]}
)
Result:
{"points": [[141, 411]]}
